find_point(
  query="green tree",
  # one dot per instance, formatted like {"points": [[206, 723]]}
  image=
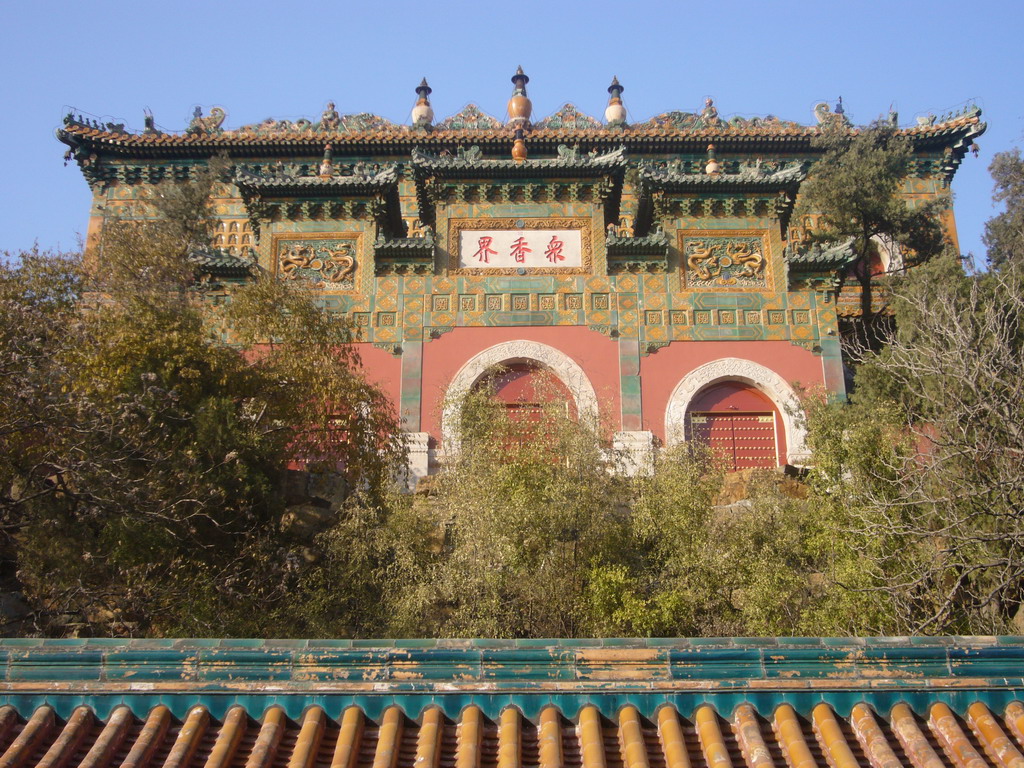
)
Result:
{"points": [[1004, 233], [528, 532], [707, 563], [927, 458], [855, 187], [147, 457], [511, 530]]}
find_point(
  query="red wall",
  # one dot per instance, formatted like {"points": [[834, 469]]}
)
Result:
{"points": [[597, 355], [384, 370]]}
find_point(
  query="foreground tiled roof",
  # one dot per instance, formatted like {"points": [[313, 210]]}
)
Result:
{"points": [[790, 703], [708, 738]]}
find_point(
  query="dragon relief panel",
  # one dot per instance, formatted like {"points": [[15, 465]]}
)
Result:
{"points": [[725, 259], [328, 259]]}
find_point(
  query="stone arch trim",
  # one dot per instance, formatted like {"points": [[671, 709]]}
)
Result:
{"points": [[748, 372], [557, 362]]}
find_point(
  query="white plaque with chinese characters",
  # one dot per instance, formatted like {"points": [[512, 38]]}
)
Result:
{"points": [[529, 248], [521, 246]]}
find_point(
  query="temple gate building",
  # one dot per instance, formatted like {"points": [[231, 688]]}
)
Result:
{"points": [[655, 269]]}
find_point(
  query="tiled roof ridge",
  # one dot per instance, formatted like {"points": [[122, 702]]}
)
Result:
{"points": [[860, 641], [384, 176], [357, 666], [788, 173], [822, 254], [220, 262], [370, 128], [654, 239], [473, 158]]}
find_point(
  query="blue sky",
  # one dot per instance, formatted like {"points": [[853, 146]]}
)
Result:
{"points": [[260, 59]]}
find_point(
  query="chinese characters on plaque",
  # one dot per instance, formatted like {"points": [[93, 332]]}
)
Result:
{"points": [[520, 248]]}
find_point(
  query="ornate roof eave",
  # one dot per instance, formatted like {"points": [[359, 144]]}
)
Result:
{"points": [[399, 143], [747, 180], [219, 263], [655, 243], [473, 164], [784, 184], [405, 255], [567, 122], [91, 143], [648, 253], [260, 190], [405, 139], [821, 258], [362, 144], [434, 173], [270, 185]]}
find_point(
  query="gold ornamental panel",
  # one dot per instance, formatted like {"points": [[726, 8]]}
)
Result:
{"points": [[726, 260], [331, 260]]}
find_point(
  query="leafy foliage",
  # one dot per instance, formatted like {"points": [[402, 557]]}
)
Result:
{"points": [[527, 508], [148, 456], [530, 533], [1004, 233], [927, 461], [855, 188]]}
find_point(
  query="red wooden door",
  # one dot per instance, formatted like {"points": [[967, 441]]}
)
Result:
{"points": [[530, 396], [741, 440]]}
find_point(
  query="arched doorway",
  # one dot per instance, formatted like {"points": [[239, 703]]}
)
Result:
{"points": [[532, 402], [506, 355], [740, 424], [791, 435]]}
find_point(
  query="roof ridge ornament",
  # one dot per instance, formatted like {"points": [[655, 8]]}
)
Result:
{"points": [[519, 147], [570, 118], [329, 120], [827, 118], [206, 125], [710, 114], [519, 105], [713, 167], [615, 112], [469, 118], [327, 165], [423, 113], [149, 122]]}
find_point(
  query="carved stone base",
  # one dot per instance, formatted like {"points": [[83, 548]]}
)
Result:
{"points": [[418, 463], [635, 451]]}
